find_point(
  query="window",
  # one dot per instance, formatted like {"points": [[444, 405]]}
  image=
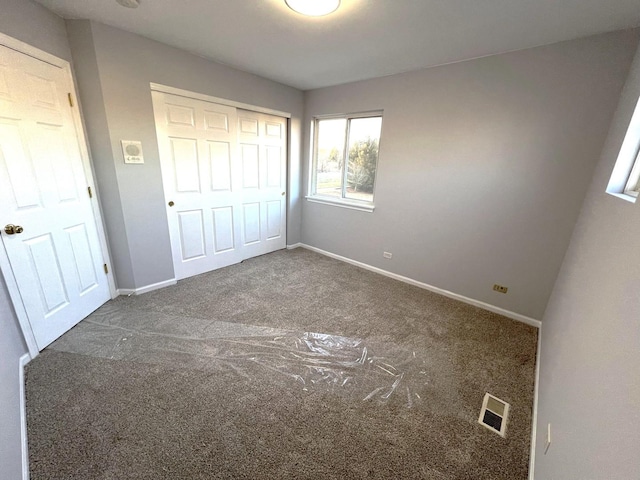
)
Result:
{"points": [[632, 186], [624, 182], [345, 158]]}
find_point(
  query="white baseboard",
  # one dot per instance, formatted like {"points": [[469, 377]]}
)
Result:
{"points": [[24, 359], [476, 303], [295, 245], [534, 419], [147, 288]]}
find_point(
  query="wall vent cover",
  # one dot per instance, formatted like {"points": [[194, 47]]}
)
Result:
{"points": [[493, 414]]}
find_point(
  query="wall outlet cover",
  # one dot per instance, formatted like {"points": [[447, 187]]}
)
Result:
{"points": [[500, 288]]}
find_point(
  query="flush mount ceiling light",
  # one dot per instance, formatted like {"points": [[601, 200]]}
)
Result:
{"points": [[129, 3], [313, 8]]}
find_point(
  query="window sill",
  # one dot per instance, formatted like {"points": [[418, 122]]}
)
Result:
{"points": [[363, 207], [624, 196]]}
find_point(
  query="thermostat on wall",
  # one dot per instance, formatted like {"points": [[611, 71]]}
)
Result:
{"points": [[132, 151]]}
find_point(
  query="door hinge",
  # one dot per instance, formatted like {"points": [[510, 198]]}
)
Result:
{"points": [[90, 192], [106, 269], [70, 99]]}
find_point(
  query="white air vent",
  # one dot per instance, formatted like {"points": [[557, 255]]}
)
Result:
{"points": [[493, 414]]}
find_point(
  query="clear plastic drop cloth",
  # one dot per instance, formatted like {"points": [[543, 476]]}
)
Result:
{"points": [[343, 365], [374, 371]]}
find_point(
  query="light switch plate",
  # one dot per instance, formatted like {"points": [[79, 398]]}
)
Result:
{"points": [[132, 151]]}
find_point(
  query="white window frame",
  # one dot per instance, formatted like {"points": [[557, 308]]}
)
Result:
{"points": [[625, 178], [632, 186], [362, 205]]}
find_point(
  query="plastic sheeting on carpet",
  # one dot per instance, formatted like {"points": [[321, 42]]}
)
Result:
{"points": [[315, 362]]}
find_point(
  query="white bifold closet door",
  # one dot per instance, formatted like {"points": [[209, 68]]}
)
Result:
{"points": [[224, 176]]}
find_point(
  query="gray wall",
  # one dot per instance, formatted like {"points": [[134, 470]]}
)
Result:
{"points": [[97, 130], [483, 167], [32, 24], [589, 378], [12, 347], [114, 69]]}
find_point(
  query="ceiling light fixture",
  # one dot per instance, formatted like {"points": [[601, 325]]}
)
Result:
{"points": [[129, 3], [313, 8]]}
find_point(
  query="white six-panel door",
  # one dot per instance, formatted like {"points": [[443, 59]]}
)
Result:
{"points": [[262, 158], [224, 172], [54, 253]]}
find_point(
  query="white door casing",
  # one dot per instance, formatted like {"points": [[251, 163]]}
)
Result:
{"points": [[224, 172], [56, 264]]}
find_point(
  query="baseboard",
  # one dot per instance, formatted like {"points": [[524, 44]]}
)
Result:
{"points": [[534, 419], [147, 288], [24, 359], [295, 245], [476, 303]]}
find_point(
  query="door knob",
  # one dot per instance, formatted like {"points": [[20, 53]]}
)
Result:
{"points": [[284, 193], [171, 204], [11, 229]]}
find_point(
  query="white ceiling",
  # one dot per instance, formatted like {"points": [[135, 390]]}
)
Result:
{"points": [[363, 39]]}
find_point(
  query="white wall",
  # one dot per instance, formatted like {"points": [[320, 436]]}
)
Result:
{"points": [[590, 360], [483, 167], [114, 69], [32, 24]]}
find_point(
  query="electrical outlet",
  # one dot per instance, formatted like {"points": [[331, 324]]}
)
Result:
{"points": [[500, 288], [387, 254]]}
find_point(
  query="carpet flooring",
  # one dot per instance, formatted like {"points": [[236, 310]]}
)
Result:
{"points": [[290, 365]]}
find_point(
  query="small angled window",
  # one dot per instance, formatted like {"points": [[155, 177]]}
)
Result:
{"points": [[624, 182], [633, 182]]}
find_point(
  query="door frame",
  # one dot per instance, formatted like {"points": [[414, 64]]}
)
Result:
{"points": [[157, 87], [83, 144]]}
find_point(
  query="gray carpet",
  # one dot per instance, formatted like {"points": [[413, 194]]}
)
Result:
{"points": [[289, 365]]}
